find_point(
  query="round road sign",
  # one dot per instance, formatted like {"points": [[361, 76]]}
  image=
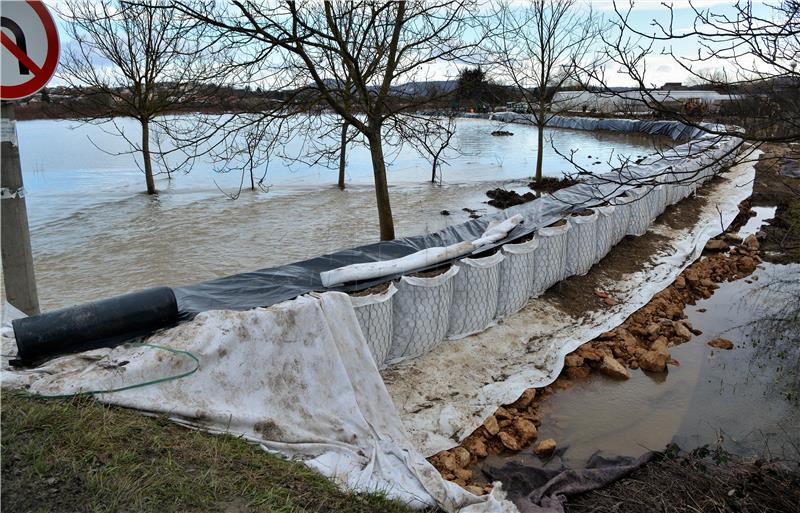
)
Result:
{"points": [[28, 48]]}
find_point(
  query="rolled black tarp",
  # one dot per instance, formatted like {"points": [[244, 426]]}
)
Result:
{"points": [[103, 323]]}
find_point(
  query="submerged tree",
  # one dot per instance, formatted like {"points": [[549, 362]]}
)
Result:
{"points": [[541, 47], [358, 59], [135, 60]]}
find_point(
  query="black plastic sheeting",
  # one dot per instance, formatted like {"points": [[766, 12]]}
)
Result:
{"points": [[266, 287]]}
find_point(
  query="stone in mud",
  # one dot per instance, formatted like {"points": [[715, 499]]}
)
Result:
{"points": [[612, 368], [607, 335], [462, 456], [491, 425], [587, 352], [526, 430], [509, 441], [524, 400], [680, 282], [503, 414], [476, 446], [751, 243], [475, 490], [659, 345], [653, 361], [448, 461], [692, 277], [545, 448], [717, 245], [746, 264], [721, 343], [573, 360], [653, 329], [732, 238], [582, 372], [709, 284], [681, 331]]}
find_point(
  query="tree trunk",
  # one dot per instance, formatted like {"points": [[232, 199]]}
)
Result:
{"points": [[539, 151], [148, 163], [433, 169], [381, 185], [343, 155]]}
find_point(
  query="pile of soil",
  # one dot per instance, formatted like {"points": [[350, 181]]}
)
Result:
{"points": [[704, 480], [377, 289], [550, 184], [502, 133], [502, 198]]}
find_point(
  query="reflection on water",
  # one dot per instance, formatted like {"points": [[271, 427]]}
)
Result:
{"points": [[95, 234], [745, 398]]}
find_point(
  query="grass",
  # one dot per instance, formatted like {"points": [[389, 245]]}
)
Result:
{"points": [[81, 455]]}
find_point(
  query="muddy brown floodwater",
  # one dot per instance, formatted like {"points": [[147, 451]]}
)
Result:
{"points": [[744, 399]]}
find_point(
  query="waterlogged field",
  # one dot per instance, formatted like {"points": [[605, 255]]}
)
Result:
{"points": [[95, 234]]}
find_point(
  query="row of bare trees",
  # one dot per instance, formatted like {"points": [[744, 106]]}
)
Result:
{"points": [[362, 73]]}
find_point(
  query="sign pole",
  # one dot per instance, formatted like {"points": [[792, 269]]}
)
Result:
{"points": [[18, 274]]}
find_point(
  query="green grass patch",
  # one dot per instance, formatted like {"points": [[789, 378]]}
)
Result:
{"points": [[80, 455]]}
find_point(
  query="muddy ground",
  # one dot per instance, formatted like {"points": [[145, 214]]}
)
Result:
{"points": [[644, 340], [781, 235]]}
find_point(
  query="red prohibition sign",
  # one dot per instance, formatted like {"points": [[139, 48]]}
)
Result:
{"points": [[41, 73]]}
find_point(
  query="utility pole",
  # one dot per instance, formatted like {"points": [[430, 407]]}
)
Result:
{"points": [[18, 274]]}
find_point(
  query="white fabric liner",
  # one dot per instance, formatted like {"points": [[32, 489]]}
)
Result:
{"points": [[551, 258], [475, 291], [374, 314], [581, 243], [604, 231], [516, 276], [421, 314], [639, 202]]}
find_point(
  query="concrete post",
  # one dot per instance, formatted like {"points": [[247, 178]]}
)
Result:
{"points": [[18, 275]]}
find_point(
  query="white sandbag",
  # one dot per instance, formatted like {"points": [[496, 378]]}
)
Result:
{"points": [[516, 276], [551, 258], [658, 202], [475, 290], [605, 231], [421, 314], [638, 201], [622, 218], [374, 314], [581, 243]]}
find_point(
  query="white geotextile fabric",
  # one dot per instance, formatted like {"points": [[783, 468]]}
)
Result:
{"points": [[440, 403], [551, 257], [517, 271], [622, 218], [374, 314], [604, 231], [639, 202], [296, 378], [421, 314], [475, 291], [581, 244]]}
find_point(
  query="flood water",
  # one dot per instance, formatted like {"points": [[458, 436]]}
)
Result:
{"points": [[95, 234], [745, 399]]}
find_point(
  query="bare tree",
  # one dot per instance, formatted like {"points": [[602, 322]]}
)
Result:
{"points": [[542, 45], [127, 59], [318, 50]]}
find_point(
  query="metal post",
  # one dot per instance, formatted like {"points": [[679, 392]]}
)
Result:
{"points": [[18, 275]]}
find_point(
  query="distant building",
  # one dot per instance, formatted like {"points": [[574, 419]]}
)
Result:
{"points": [[672, 86]]}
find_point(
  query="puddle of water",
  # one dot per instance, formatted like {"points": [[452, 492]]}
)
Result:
{"points": [[745, 398], [757, 221]]}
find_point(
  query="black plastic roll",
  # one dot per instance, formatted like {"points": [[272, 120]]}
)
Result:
{"points": [[103, 323]]}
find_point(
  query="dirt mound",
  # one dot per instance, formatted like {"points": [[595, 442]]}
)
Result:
{"points": [[550, 184], [502, 198]]}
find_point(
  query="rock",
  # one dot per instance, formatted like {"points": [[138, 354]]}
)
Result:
{"points": [[680, 282], [509, 441], [717, 245], [732, 238], [463, 474], [526, 430], [612, 368], [588, 352], [573, 360], [545, 448], [653, 329], [746, 264], [721, 343], [525, 399], [610, 301], [503, 414], [582, 372], [448, 461], [491, 426], [502, 133], [653, 361], [692, 277], [601, 294], [607, 335], [681, 331], [462, 455], [445, 212], [751, 243], [476, 446], [475, 490], [705, 282], [659, 345]]}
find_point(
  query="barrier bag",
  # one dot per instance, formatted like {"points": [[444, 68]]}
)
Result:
{"points": [[637, 200], [605, 231], [581, 242], [374, 314], [516, 276], [658, 202], [475, 290], [420, 314], [551, 258], [622, 218]]}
